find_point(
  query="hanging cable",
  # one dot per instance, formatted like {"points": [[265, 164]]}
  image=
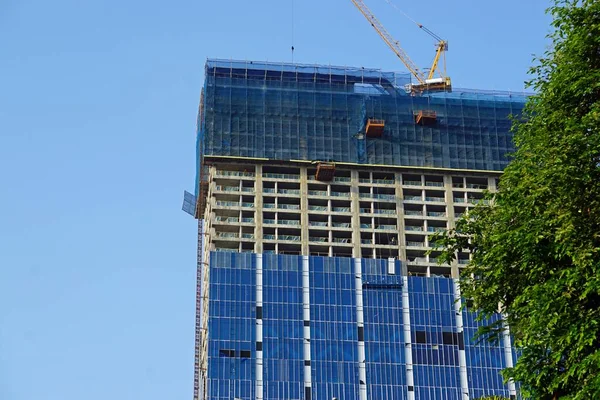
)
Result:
{"points": [[424, 28], [293, 31]]}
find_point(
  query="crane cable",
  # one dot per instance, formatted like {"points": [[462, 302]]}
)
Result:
{"points": [[421, 26], [293, 31]]}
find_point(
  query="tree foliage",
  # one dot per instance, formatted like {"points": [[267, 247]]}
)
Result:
{"points": [[536, 247]]}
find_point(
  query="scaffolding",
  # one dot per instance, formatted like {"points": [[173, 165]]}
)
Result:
{"points": [[282, 111]]}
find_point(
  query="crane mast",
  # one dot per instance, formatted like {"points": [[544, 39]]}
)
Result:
{"points": [[425, 83]]}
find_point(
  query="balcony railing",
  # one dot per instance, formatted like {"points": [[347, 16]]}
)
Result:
{"points": [[247, 236], [341, 179], [459, 200], [436, 214], [288, 191], [227, 203], [228, 188], [366, 241], [476, 186], [234, 173], [341, 224], [435, 199], [247, 220], [341, 209], [412, 228], [384, 181], [228, 235], [317, 223], [436, 184], [268, 205], [289, 206], [227, 219], [341, 240], [281, 176], [317, 193], [413, 183], [289, 222], [413, 198], [385, 211], [340, 194], [317, 208], [317, 239], [292, 238], [414, 244], [413, 212], [435, 229], [366, 226], [387, 227]]}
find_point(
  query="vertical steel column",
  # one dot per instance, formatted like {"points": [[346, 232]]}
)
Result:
{"points": [[410, 380], [360, 321], [508, 358], [462, 356], [259, 328], [306, 318]]}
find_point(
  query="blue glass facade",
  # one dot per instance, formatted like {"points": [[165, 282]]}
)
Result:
{"points": [[273, 334]]}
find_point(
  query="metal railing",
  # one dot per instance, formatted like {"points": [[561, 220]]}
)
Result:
{"points": [[317, 239], [413, 198], [317, 193], [341, 224], [289, 206], [317, 208], [435, 199], [317, 223], [436, 214], [385, 211], [412, 228], [280, 176], [413, 183], [340, 194], [288, 191], [413, 212], [384, 181], [435, 229], [476, 186], [247, 220], [387, 227], [227, 203], [234, 173], [227, 235], [341, 179], [436, 184], [341, 209], [341, 240], [410, 243]]}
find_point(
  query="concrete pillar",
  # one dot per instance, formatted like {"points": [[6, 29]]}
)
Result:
{"points": [[304, 211], [400, 222], [450, 214], [258, 215], [355, 207]]}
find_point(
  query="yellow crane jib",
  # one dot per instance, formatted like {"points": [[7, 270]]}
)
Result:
{"points": [[424, 82]]}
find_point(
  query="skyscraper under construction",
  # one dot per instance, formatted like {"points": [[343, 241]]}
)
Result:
{"points": [[316, 190]]}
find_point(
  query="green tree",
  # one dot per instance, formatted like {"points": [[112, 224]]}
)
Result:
{"points": [[536, 247]]}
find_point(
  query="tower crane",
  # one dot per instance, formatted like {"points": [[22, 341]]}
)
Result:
{"points": [[425, 82]]}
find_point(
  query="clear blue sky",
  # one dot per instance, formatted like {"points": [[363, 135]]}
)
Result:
{"points": [[98, 102]]}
